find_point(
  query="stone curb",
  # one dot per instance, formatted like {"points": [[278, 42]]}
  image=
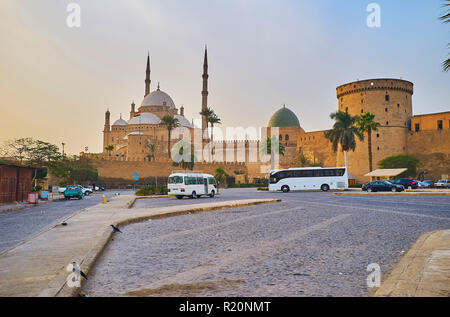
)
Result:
{"points": [[401, 193], [58, 288], [422, 272]]}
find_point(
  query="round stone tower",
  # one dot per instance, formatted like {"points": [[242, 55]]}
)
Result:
{"points": [[390, 100]]}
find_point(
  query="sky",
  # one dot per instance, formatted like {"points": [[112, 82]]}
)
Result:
{"points": [[56, 82]]}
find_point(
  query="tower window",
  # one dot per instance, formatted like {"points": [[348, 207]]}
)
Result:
{"points": [[286, 137], [398, 105], [439, 124], [387, 122], [378, 135], [346, 109], [386, 109], [280, 137], [386, 98], [362, 111], [378, 148], [417, 127]]}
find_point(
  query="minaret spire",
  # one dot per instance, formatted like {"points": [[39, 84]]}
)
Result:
{"points": [[147, 76], [205, 88]]}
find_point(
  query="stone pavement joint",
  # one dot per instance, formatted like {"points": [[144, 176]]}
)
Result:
{"points": [[38, 266], [424, 271]]}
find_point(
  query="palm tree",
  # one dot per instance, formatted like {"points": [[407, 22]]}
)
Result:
{"points": [[170, 122], [445, 18], [267, 148], [109, 148], [213, 119], [220, 175], [367, 124], [152, 147], [343, 132], [207, 112]]}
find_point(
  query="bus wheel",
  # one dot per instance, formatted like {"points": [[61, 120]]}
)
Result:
{"points": [[212, 194], [285, 189], [325, 188], [179, 197], [194, 195]]}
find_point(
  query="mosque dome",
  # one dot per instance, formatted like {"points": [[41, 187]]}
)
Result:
{"points": [[284, 117], [158, 98], [120, 122], [145, 118], [183, 121]]}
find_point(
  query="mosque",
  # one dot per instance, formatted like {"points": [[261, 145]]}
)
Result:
{"points": [[427, 136]]}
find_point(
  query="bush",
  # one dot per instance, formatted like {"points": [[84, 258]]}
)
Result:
{"points": [[151, 189], [243, 185], [355, 186], [263, 188]]}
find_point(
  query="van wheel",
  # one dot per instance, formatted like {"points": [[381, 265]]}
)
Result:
{"points": [[179, 197], [325, 188], [212, 194], [285, 189], [194, 195]]}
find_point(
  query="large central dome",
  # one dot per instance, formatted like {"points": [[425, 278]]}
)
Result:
{"points": [[158, 98], [284, 118]]}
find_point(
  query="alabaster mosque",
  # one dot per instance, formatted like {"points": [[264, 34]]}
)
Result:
{"points": [[426, 136]]}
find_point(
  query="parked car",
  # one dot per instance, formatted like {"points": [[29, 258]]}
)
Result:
{"points": [[442, 183], [382, 186], [73, 191], [97, 188], [426, 184], [407, 183], [86, 191], [61, 190]]}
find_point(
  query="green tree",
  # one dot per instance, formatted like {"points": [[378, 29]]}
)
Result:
{"points": [[445, 18], [170, 122], [269, 144], [18, 149], [152, 147], [220, 174], [109, 149], [401, 161], [367, 124], [213, 119], [183, 155], [207, 112], [344, 132]]}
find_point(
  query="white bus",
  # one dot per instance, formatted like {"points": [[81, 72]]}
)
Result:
{"points": [[308, 178], [191, 184]]}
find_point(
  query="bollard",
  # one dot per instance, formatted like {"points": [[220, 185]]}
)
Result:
{"points": [[104, 199]]}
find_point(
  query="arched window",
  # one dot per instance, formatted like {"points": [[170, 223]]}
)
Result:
{"points": [[280, 137], [286, 137]]}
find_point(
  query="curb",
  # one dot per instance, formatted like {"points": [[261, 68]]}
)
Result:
{"points": [[399, 194], [422, 271], [58, 288]]}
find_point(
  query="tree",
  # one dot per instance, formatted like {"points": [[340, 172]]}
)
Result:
{"points": [[152, 147], [445, 18], [183, 155], [305, 162], [109, 148], [367, 124], [213, 119], [401, 161], [170, 122], [343, 132], [18, 149], [207, 112], [267, 148], [220, 175]]}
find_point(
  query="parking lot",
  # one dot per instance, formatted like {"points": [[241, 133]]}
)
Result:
{"points": [[310, 244]]}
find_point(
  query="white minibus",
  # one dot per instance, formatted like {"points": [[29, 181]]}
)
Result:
{"points": [[191, 184]]}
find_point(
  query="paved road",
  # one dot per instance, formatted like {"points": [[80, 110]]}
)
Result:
{"points": [[310, 244], [17, 226]]}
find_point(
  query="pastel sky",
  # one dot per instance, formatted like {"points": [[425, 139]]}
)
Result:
{"points": [[56, 82]]}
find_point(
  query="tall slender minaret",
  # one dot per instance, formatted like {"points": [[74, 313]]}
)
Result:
{"points": [[147, 76], [205, 89]]}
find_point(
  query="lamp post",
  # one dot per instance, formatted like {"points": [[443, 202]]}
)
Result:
{"points": [[63, 144]]}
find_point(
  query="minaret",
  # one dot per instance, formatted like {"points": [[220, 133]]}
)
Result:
{"points": [[107, 121], [147, 77], [133, 110], [205, 89]]}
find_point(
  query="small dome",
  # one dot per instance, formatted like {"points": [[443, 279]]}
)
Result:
{"points": [[183, 121], [120, 122], [145, 118], [157, 98], [284, 118], [133, 133]]}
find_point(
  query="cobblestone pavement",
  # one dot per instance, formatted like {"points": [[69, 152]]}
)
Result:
{"points": [[310, 244], [17, 226]]}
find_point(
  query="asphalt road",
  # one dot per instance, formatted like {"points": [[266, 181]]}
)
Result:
{"points": [[310, 244], [17, 226]]}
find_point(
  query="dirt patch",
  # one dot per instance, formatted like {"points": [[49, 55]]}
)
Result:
{"points": [[187, 289]]}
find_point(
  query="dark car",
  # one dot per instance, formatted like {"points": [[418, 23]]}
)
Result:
{"points": [[382, 186], [426, 184], [407, 183]]}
